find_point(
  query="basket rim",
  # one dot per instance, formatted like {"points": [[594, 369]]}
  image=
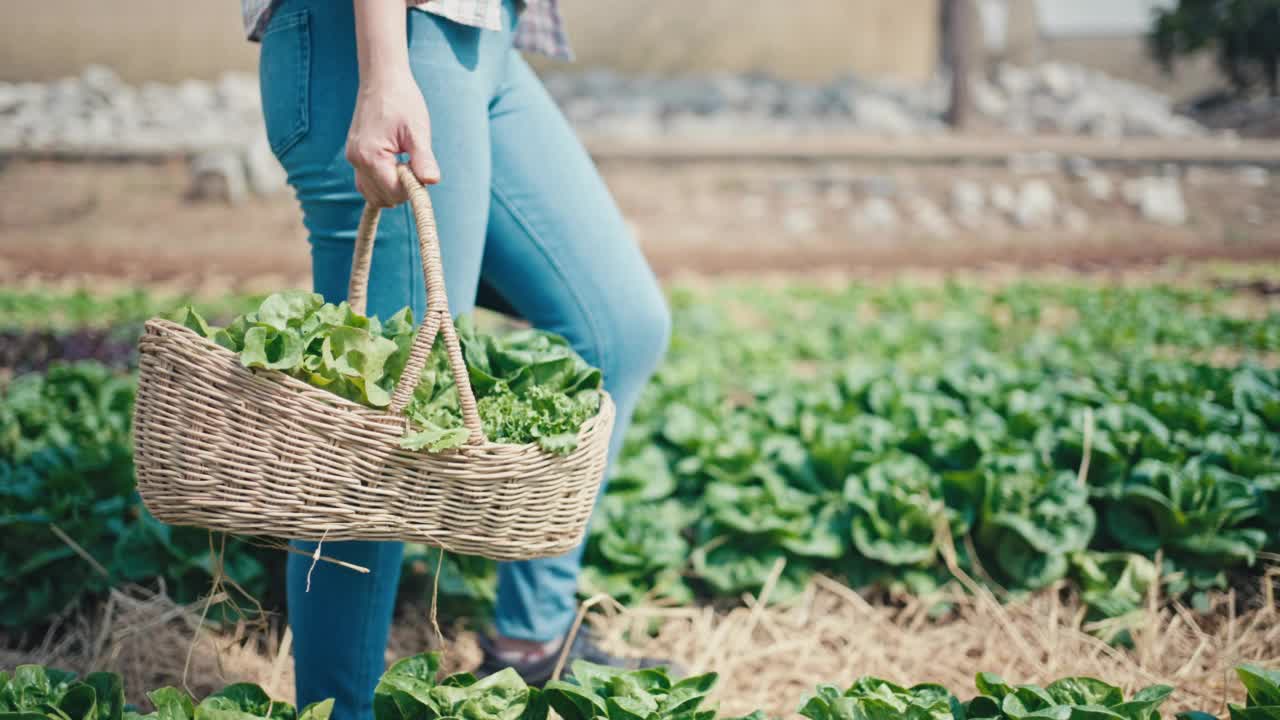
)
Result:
{"points": [[162, 327]]}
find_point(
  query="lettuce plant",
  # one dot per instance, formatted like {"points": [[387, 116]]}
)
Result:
{"points": [[1262, 687], [609, 693], [410, 690], [66, 462], [530, 386], [34, 692], [1073, 698], [870, 698]]}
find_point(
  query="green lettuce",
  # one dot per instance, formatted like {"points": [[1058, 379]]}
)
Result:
{"points": [[530, 386], [596, 691], [1262, 688]]}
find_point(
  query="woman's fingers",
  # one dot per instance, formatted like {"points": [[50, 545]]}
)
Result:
{"points": [[384, 177], [421, 160], [369, 191], [376, 177]]}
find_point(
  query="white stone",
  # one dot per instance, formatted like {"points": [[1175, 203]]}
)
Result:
{"points": [[1078, 167], [1058, 80], [1003, 198], [877, 214], [877, 114], [1035, 205], [265, 174], [1099, 186], [1091, 115], [988, 99], [1013, 80], [1253, 176], [930, 218], [799, 221], [1253, 215], [1161, 201], [239, 91], [195, 95], [101, 81], [968, 202]]}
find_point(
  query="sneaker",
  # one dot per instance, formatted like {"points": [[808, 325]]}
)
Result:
{"points": [[536, 669]]}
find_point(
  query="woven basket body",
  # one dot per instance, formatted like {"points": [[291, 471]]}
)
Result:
{"points": [[257, 452]]}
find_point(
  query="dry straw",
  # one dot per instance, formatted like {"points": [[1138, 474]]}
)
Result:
{"points": [[769, 656], [256, 452]]}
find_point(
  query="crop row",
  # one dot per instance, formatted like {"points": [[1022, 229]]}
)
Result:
{"points": [[412, 689], [1035, 433], [1049, 431]]}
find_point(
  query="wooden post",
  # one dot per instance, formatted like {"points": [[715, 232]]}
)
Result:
{"points": [[962, 48]]}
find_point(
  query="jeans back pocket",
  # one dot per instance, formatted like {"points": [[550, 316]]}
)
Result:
{"points": [[284, 75]]}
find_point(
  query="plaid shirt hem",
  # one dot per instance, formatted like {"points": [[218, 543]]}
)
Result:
{"points": [[539, 30]]}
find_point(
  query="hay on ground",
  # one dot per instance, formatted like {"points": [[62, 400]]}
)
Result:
{"points": [[771, 657], [768, 656]]}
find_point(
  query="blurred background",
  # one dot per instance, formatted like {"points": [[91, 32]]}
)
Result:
{"points": [[1085, 129]]}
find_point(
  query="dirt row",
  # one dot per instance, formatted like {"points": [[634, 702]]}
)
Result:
{"points": [[135, 222]]}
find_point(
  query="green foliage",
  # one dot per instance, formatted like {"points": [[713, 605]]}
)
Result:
{"points": [[847, 442], [63, 310], [836, 431], [530, 386], [409, 690], [34, 692], [1262, 687], [875, 699], [1073, 698], [66, 470], [597, 691], [1115, 587], [413, 689], [1244, 35]]}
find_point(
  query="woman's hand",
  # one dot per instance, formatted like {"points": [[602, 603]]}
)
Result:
{"points": [[390, 116]]}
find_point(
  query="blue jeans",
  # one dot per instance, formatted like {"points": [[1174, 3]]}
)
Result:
{"points": [[521, 206]]}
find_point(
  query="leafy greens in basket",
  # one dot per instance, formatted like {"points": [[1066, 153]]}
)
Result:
{"points": [[530, 386]]}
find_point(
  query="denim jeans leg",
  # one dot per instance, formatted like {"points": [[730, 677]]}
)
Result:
{"points": [[559, 250]]}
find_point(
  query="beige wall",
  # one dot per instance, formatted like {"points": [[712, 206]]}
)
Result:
{"points": [[141, 39], [803, 39], [800, 39]]}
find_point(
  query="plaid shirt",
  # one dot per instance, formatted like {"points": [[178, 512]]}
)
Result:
{"points": [[540, 30]]}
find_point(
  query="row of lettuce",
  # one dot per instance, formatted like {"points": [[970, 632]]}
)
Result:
{"points": [[413, 689], [1034, 432]]}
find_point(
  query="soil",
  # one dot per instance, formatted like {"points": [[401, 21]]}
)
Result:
{"points": [[136, 222]]}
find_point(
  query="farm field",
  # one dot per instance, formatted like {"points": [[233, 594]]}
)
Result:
{"points": [[919, 478]]}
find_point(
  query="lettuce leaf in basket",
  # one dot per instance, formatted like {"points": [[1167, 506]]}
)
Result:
{"points": [[530, 386]]}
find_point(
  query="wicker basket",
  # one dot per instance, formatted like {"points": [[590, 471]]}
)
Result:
{"points": [[258, 452]]}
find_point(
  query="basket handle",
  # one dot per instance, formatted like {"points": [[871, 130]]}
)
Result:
{"points": [[437, 319]]}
